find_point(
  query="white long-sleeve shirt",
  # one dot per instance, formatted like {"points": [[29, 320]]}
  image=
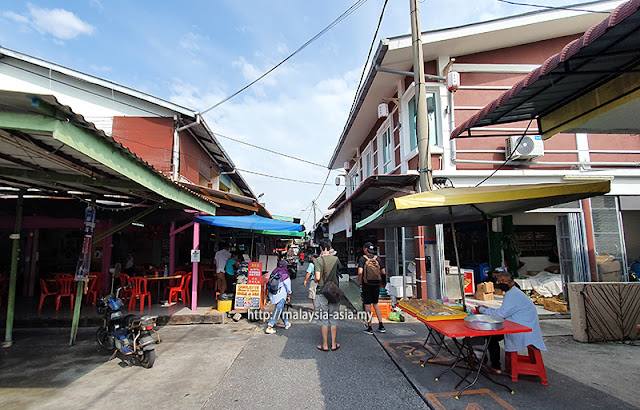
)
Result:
{"points": [[283, 291], [518, 308]]}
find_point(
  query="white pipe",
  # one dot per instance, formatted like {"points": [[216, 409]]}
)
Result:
{"points": [[186, 127], [452, 124], [176, 155]]}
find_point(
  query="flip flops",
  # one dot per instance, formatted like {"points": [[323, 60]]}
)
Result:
{"points": [[321, 348], [337, 347]]}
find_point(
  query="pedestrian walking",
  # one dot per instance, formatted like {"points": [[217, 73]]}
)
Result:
{"points": [[326, 268], [312, 284], [279, 288], [371, 275]]}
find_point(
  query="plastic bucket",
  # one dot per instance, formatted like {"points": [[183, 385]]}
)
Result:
{"points": [[224, 305], [225, 302]]}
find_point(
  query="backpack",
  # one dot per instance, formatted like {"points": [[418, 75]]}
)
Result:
{"points": [[372, 271], [273, 285]]}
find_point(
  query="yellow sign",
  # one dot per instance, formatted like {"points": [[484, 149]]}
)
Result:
{"points": [[247, 297]]}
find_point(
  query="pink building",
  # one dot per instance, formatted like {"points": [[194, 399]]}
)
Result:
{"points": [[378, 152]]}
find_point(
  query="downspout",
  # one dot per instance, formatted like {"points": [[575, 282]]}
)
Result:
{"points": [[13, 276], [175, 172], [452, 124]]}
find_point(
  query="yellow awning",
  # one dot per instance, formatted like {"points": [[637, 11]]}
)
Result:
{"points": [[474, 203]]}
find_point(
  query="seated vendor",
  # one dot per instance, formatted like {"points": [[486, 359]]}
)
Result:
{"points": [[518, 308]]}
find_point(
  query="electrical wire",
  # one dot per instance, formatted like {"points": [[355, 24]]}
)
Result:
{"points": [[375, 36], [344, 15], [552, 7], [510, 155], [283, 178], [270, 150]]}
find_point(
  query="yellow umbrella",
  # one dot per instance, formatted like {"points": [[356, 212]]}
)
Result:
{"points": [[473, 203]]}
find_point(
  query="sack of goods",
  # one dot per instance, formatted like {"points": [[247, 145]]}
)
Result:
{"points": [[372, 271]]}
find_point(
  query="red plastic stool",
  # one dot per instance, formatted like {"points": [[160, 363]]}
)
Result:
{"points": [[531, 364]]}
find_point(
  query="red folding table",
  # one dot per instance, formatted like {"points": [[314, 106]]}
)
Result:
{"points": [[460, 334]]}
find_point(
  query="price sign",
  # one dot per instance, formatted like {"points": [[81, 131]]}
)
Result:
{"points": [[247, 297], [255, 273]]}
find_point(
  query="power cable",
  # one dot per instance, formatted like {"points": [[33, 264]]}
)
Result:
{"points": [[344, 15], [510, 154], [283, 178], [552, 7], [269, 150], [375, 36]]}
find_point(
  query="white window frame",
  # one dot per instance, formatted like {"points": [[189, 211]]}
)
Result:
{"points": [[405, 131], [367, 168], [353, 180], [384, 128]]}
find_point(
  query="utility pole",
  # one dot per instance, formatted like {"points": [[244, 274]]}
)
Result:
{"points": [[313, 204], [422, 134], [422, 122]]}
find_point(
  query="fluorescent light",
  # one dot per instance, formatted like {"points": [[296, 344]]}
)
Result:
{"points": [[140, 224]]}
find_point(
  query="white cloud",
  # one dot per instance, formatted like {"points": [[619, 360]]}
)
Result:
{"points": [[192, 41], [15, 17], [301, 118], [60, 23]]}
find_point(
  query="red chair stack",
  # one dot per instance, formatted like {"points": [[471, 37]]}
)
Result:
{"points": [[139, 291], [531, 364]]}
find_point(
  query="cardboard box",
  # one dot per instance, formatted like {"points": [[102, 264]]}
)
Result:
{"points": [[555, 305], [610, 266], [452, 270], [484, 296], [485, 287], [498, 292]]}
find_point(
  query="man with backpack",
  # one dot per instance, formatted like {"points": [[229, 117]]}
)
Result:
{"points": [[371, 275], [279, 289]]}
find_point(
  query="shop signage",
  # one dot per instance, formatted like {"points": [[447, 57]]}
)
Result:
{"points": [[247, 297], [255, 273]]}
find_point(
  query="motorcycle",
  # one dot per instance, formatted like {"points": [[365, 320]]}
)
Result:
{"points": [[292, 268], [131, 335]]}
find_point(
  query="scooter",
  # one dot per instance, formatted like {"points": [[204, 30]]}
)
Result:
{"points": [[292, 268], [130, 335]]}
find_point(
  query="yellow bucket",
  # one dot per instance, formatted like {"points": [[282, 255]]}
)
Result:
{"points": [[224, 305]]}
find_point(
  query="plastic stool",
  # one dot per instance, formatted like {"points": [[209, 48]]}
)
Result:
{"points": [[531, 364]]}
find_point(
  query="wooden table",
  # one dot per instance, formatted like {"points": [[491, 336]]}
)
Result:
{"points": [[158, 279], [463, 352]]}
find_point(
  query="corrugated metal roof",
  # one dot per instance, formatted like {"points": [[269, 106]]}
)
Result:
{"points": [[604, 52]]}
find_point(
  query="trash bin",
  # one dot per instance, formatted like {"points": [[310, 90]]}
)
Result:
{"points": [[224, 302], [480, 270]]}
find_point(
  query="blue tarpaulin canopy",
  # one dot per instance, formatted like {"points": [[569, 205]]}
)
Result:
{"points": [[251, 222]]}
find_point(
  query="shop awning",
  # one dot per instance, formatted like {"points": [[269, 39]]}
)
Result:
{"points": [[230, 201], [590, 86], [251, 222], [474, 203]]}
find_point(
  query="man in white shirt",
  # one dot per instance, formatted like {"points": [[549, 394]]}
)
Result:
{"points": [[221, 257]]}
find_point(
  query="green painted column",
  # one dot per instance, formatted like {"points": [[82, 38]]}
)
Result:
{"points": [[15, 251]]}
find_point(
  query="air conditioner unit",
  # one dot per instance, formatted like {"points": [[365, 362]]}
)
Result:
{"points": [[531, 147]]}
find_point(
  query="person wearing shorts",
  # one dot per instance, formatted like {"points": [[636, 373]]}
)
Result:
{"points": [[313, 286], [326, 268], [370, 292]]}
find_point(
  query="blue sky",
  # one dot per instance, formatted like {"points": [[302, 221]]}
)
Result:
{"points": [[195, 53]]}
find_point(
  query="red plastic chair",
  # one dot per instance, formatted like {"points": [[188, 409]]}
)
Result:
{"points": [[183, 290], [94, 285], [139, 291], [66, 288], [44, 292], [531, 364], [204, 282], [174, 282], [125, 294]]}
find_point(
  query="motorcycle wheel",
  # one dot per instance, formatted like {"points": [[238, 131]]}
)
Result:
{"points": [[148, 358], [103, 338]]}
